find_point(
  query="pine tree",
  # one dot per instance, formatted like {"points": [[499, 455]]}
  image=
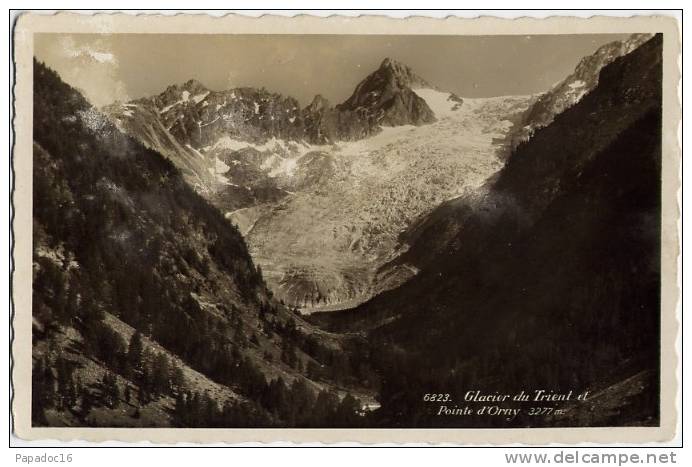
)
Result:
{"points": [[143, 396], [72, 303], [161, 375], [177, 378], [64, 380], [87, 403], [72, 393], [324, 409], [111, 392], [135, 354]]}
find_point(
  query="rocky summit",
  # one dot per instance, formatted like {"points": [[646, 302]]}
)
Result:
{"points": [[386, 96]]}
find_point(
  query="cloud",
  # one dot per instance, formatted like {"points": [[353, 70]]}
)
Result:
{"points": [[89, 51], [89, 65]]}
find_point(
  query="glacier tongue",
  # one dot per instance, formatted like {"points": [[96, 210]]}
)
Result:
{"points": [[321, 247]]}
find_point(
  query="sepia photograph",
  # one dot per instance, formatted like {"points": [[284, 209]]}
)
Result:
{"points": [[357, 230]]}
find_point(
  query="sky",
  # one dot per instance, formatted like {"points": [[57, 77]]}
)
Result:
{"points": [[122, 67]]}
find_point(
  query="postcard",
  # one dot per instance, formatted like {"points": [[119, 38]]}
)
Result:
{"points": [[333, 229]]}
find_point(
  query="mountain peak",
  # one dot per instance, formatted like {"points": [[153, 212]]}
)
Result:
{"points": [[194, 85], [191, 85], [192, 82], [388, 62], [402, 73], [386, 96]]}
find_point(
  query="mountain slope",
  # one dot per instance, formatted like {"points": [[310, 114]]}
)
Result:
{"points": [[552, 279], [146, 302], [574, 87], [141, 120]]}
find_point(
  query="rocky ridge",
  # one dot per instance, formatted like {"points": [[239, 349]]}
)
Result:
{"points": [[574, 87]]}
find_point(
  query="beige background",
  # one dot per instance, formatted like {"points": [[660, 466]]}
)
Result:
{"points": [[29, 24]]}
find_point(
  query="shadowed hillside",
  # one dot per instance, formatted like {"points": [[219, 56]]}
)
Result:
{"points": [[147, 308]]}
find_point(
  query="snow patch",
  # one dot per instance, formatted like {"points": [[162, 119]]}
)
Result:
{"points": [[274, 144], [440, 103], [200, 97], [221, 167], [185, 97], [195, 151], [277, 165], [169, 107], [226, 142], [220, 178]]}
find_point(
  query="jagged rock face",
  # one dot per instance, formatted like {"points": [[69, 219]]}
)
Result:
{"points": [[572, 89], [325, 124], [141, 121], [386, 96], [202, 130], [199, 117], [380, 85], [208, 134]]}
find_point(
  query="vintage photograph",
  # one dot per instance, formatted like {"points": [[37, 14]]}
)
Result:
{"points": [[346, 230]]}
